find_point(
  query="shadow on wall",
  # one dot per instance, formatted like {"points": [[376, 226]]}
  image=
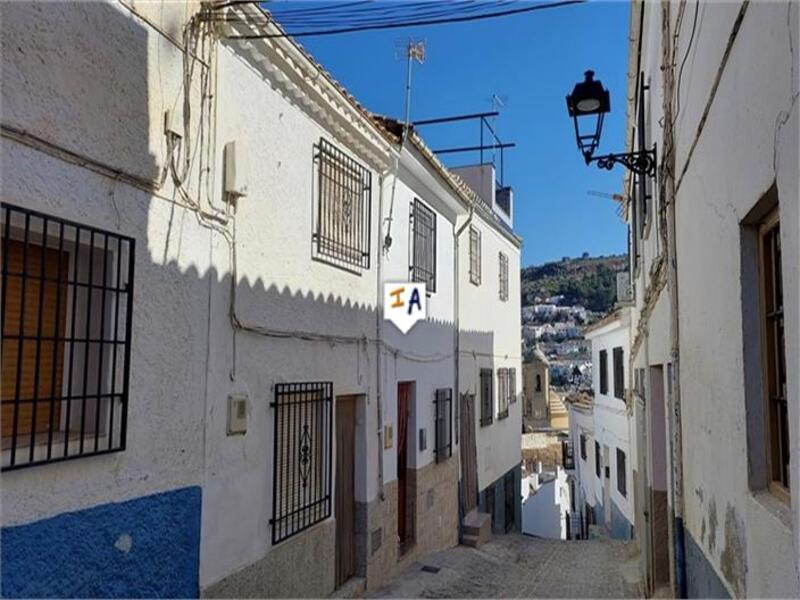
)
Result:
{"points": [[77, 77]]}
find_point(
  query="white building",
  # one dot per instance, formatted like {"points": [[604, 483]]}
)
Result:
{"points": [[546, 504], [713, 238], [235, 415], [490, 360], [613, 489]]}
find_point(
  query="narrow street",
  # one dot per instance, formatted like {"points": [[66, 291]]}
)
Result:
{"points": [[518, 566]]}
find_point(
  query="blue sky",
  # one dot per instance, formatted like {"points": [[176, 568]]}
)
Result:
{"points": [[533, 60]]}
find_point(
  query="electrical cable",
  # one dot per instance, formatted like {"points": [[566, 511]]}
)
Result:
{"points": [[409, 23], [683, 63]]}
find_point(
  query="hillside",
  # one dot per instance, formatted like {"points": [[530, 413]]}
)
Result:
{"points": [[588, 281]]}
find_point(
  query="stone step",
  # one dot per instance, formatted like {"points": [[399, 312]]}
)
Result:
{"points": [[477, 528], [471, 540]]}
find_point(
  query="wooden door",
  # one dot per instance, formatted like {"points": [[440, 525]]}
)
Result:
{"points": [[345, 489], [404, 532], [469, 455], [39, 372]]}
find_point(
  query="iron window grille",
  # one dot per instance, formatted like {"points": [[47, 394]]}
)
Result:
{"points": [[774, 360], [302, 451], [423, 245], [567, 454], [622, 484], [67, 298], [343, 208], [502, 393], [512, 386], [583, 446], [603, 372], [619, 373], [597, 465], [443, 409], [487, 408], [474, 255], [503, 277]]}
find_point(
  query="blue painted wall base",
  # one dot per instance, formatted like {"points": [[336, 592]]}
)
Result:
{"points": [[147, 547], [702, 580]]}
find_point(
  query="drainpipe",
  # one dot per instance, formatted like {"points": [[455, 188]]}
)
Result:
{"points": [[456, 234], [457, 344], [379, 347]]}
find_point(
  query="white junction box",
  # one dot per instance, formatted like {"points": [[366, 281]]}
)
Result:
{"points": [[237, 414]]}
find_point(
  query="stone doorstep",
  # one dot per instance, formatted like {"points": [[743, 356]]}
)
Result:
{"points": [[352, 588], [477, 528]]}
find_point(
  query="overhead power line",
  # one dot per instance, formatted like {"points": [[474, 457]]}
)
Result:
{"points": [[373, 18]]}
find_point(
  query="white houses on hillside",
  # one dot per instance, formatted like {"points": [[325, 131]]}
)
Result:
{"points": [[196, 368]]}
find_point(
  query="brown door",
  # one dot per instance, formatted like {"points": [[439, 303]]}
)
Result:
{"points": [[345, 489], [405, 528], [469, 456]]}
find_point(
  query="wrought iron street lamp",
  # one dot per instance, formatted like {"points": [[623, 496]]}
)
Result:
{"points": [[587, 105]]}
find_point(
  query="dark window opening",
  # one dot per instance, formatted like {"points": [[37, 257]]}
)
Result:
{"points": [[474, 256], [619, 374], [774, 363], [487, 400], [622, 484], [603, 372], [67, 298], [443, 411], [423, 245], [503, 277], [343, 208]]}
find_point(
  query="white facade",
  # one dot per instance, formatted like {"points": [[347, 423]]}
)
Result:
{"points": [[546, 504], [490, 339], [232, 300], [613, 491], [696, 344]]}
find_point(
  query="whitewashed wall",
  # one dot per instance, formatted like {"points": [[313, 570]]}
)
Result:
{"points": [[491, 338], [610, 413], [103, 99], [749, 140]]}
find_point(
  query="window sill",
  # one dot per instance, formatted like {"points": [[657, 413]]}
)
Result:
{"points": [[486, 422], [777, 504], [22, 456]]}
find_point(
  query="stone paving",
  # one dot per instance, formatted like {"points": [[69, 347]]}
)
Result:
{"points": [[517, 566]]}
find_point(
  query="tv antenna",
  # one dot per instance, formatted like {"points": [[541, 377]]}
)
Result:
{"points": [[413, 50]]}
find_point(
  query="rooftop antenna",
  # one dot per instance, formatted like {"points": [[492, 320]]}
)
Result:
{"points": [[413, 50]]}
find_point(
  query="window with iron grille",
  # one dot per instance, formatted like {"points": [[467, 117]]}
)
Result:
{"points": [[512, 386], [619, 373], [622, 484], [443, 410], [67, 297], [597, 459], [502, 393], [343, 208], [303, 428], [423, 245], [487, 398], [603, 372], [583, 446], [774, 359], [474, 255], [567, 454], [503, 277]]}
